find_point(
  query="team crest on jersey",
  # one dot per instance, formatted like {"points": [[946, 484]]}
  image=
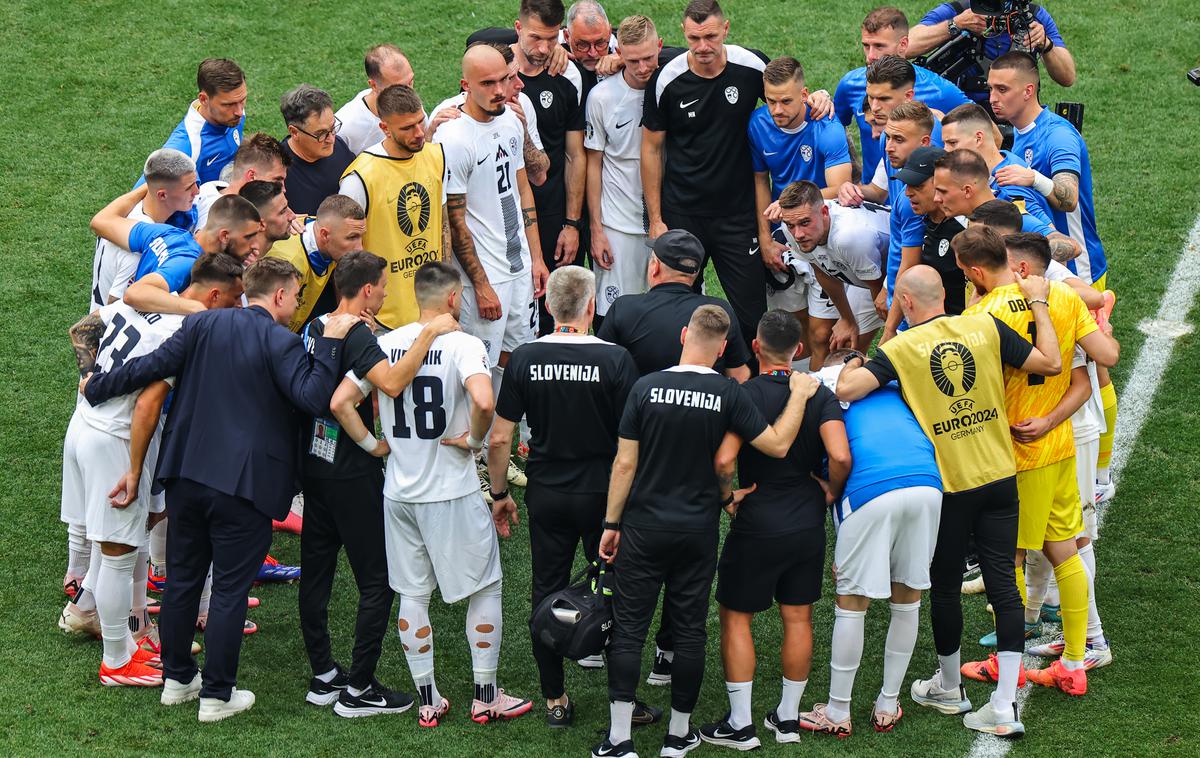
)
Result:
{"points": [[237, 138], [546, 98], [731, 94], [412, 209], [512, 144], [953, 368], [943, 248], [1029, 155], [611, 293], [806, 152]]}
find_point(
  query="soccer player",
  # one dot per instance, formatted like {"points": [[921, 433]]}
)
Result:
{"points": [[278, 219], [1050, 511], [438, 531], [572, 388], [319, 157], [614, 182], [940, 227], [117, 441], [335, 230], [970, 126], [211, 131], [696, 169], [885, 32], [661, 523], [171, 179], [844, 247], [775, 549], [386, 65], [887, 524], [962, 413], [260, 157]]}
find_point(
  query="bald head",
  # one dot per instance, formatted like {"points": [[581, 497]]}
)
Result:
{"points": [[485, 80], [922, 286]]}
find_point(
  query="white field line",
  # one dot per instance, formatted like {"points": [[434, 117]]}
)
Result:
{"points": [[1135, 402]]}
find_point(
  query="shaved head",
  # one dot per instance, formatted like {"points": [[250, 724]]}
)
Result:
{"points": [[485, 79], [923, 284]]}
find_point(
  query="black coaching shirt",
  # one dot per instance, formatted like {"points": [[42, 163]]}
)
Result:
{"points": [[787, 498], [679, 418], [328, 451], [707, 169], [936, 252], [559, 102], [572, 389], [648, 326], [308, 184]]}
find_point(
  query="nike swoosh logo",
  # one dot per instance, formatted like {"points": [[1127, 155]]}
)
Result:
{"points": [[770, 153], [481, 160], [688, 104], [754, 250], [211, 160], [380, 702], [627, 123]]}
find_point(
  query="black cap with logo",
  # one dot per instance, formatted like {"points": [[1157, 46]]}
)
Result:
{"points": [[680, 250], [919, 167]]}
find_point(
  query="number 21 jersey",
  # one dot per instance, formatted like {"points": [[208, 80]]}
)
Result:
{"points": [[435, 406]]}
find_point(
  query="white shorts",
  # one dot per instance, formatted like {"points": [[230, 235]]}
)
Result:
{"points": [[795, 298], [861, 303], [449, 545], [1086, 455], [518, 322], [628, 273], [889, 539], [93, 461]]}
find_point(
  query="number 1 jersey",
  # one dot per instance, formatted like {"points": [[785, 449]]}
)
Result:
{"points": [[433, 407]]}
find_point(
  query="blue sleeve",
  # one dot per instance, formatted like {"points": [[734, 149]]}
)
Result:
{"points": [[943, 12], [1035, 204], [912, 229], [1046, 20], [1031, 223], [177, 271], [141, 234], [756, 156], [833, 145], [136, 373], [950, 96], [842, 107], [1064, 152]]}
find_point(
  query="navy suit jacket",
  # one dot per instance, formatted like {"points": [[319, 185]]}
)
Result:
{"points": [[233, 424]]}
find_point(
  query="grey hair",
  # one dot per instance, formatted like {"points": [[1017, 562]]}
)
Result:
{"points": [[568, 291], [591, 11], [299, 103], [167, 164]]}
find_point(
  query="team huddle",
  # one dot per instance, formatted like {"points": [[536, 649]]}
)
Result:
{"points": [[437, 306]]}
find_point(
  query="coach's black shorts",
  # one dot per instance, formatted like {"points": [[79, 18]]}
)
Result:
{"points": [[756, 570]]}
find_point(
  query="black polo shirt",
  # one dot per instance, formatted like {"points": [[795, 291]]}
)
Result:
{"points": [[308, 184], [648, 326], [936, 252]]}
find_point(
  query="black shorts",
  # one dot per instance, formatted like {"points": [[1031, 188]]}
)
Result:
{"points": [[756, 570]]}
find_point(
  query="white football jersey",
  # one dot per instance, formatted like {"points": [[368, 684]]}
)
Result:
{"points": [[614, 127], [434, 407], [1087, 422], [856, 248], [127, 334], [209, 193], [113, 266], [531, 123], [482, 161], [360, 127]]}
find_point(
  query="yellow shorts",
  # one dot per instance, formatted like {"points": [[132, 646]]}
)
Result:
{"points": [[1050, 510], [1099, 283]]}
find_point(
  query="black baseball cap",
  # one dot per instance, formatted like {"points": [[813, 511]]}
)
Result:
{"points": [[919, 167], [680, 250], [494, 34]]}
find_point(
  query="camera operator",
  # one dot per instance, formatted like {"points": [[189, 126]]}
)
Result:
{"points": [[996, 23]]}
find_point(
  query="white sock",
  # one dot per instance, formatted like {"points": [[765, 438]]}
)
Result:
{"points": [[416, 636], [1052, 597], [355, 691], [951, 676], [206, 594], [1037, 582], [681, 723], [897, 651], [844, 658], [485, 620], [139, 618], [620, 721], [1095, 630], [1009, 664], [86, 599], [739, 704], [158, 544], [112, 604], [789, 700], [328, 676], [1103, 476], [79, 550], [1070, 665], [668, 654]]}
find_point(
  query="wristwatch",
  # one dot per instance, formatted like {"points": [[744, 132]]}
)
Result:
{"points": [[952, 27], [614, 525], [571, 222], [498, 495]]}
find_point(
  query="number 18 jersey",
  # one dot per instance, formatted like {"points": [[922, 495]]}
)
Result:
{"points": [[435, 406]]}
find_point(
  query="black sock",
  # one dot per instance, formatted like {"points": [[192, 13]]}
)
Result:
{"points": [[485, 693]]}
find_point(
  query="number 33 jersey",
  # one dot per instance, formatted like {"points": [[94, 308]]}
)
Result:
{"points": [[127, 334], [482, 161], [434, 407]]}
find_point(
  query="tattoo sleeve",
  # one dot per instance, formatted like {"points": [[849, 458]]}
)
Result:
{"points": [[529, 216], [1062, 249], [536, 162], [461, 241], [1066, 191], [85, 338]]}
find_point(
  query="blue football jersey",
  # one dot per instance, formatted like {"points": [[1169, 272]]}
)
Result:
{"points": [[796, 154], [907, 226], [1050, 145], [1027, 199], [210, 146], [167, 251]]}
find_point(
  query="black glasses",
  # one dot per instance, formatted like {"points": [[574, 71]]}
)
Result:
{"points": [[324, 134]]}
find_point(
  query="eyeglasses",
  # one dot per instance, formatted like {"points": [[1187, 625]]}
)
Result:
{"points": [[324, 134], [583, 46]]}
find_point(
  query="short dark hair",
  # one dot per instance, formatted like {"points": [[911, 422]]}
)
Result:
{"points": [[230, 211], [1030, 246], [884, 18], [980, 246], [700, 10], [1020, 61], [263, 277], [549, 12], [800, 193], [893, 71], [218, 75], [965, 164], [398, 100], [340, 206], [259, 149], [1001, 215], [783, 70], [779, 334], [968, 113], [375, 57], [355, 271], [261, 192], [302, 101], [216, 269], [433, 279]]}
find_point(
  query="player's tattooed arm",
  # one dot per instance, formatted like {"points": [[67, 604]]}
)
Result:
{"points": [[85, 338], [529, 216], [537, 163], [1065, 196], [1063, 248], [461, 241]]}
